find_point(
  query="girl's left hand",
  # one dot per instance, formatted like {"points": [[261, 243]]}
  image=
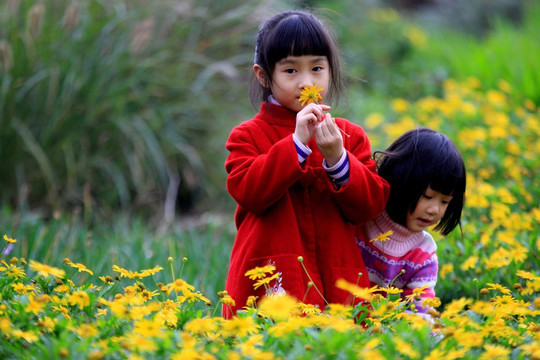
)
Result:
{"points": [[307, 121], [329, 140]]}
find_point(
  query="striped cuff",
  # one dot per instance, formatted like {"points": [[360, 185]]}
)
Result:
{"points": [[302, 150], [340, 171]]}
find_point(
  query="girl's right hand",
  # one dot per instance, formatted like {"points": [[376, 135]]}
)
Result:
{"points": [[307, 121]]}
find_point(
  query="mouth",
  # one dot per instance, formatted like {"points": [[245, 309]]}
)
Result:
{"points": [[424, 222]]}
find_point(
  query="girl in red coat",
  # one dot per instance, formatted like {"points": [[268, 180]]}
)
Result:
{"points": [[301, 178]]}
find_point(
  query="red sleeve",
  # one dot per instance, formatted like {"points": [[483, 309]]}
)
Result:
{"points": [[257, 180], [366, 193]]}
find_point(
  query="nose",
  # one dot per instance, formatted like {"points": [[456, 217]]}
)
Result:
{"points": [[433, 209], [305, 81]]}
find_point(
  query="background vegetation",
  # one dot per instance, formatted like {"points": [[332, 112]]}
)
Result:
{"points": [[114, 115]]}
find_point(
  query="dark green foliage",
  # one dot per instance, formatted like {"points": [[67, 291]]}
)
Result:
{"points": [[102, 103]]}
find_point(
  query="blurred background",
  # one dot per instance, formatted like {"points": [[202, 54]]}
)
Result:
{"points": [[114, 113]]}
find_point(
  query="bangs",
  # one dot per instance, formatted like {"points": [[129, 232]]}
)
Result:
{"points": [[305, 36], [448, 172], [447, 183]]}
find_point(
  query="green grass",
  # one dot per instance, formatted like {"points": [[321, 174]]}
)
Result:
{"points": [[508, 52], [104, 103], [130, 243]]}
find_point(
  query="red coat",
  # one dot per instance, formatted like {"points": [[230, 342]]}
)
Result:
{"points": [[286, 210]]}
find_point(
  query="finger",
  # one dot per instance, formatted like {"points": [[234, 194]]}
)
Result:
{"points": [[331, 126], [324, 107]]}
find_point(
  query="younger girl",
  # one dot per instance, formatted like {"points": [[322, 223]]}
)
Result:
{"points": [[427, 187], [296, 179]]}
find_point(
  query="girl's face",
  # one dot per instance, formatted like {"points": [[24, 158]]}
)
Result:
{"points": [[430, 209], [292, 74]]}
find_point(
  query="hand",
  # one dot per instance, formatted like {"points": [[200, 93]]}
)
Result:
{"points": [[329, 140], [307, 121]]}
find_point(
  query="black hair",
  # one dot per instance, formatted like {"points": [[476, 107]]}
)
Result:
{"points": [[419, 159], [293, 33]]}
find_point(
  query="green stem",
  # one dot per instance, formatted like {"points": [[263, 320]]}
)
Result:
{"points": [[301, 260], [172, 268], [309, 285], [398, 275], [184, 261], [357, 281]]}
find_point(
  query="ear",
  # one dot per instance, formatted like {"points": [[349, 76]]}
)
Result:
{"points": [[261, 75]]}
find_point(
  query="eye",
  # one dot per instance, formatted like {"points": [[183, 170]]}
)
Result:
{"points": [[447, 200], [317, 68], [290, 71], [426, 196]]}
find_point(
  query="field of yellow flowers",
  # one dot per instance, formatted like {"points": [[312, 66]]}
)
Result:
{"points": [[488, 291]]}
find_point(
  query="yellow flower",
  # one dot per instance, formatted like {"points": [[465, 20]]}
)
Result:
{"points": [[87, 331], [455, 307], [46, 270], [494, 352], [12, 270], [9, 240], [5, 326], [310, 94], [252, 301], [148, 328], [265, 281], [309, 309], [35, 306], [505, 300], [123, 272], [383, 236], [470, 263], [406, 348], [469, 339], [532, 349], [391, 290], [29, 336], [279, 307], [181, 285], [417, 292], [22, 288], [202, 326], [80, 298], [445, 270], [107, 279], [339, 311], [343, 325], [78, 266], [251, 348], [396, 129], [260, 272], [228, 300], [416, 36], [433, 302], [526, 275], [287, 327], [139, 343], [239, 327], [498, 259], [357, 291], [400, 105], [373, 120], [150, 272]]}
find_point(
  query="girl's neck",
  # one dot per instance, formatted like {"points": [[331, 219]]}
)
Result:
{"points": [[272, 100], [400, 241]]}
